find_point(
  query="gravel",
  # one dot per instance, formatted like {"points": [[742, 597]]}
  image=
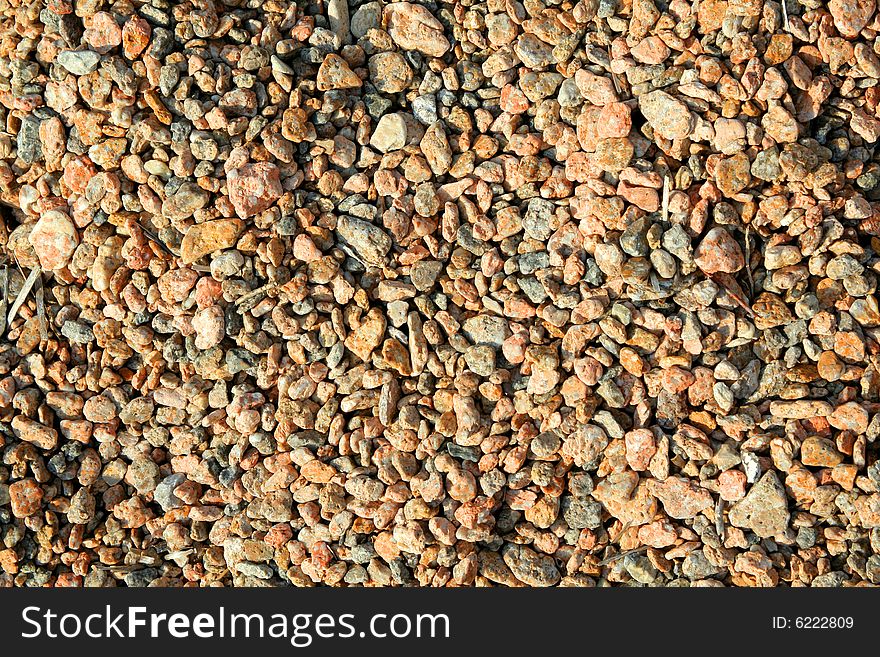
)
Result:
{"points": [[433, 294]]}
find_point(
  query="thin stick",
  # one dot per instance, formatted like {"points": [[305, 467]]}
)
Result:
{"points": [[749, 259], [255, 293], [621, 532], [785, 15], [720, 528], [621, 555], [4, 301], [665, 198], [22, 296], [613, 77], [40, 296], [733, 295], [155, 238]]}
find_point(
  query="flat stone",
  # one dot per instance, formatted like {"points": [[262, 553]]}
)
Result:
{"points": [[413, 27], [719, 252], [668, 116], [390, 133], [764, 509], [371, 242], [79, 62], [254, 188], [208, 237], [334, 73], [54, 239]]}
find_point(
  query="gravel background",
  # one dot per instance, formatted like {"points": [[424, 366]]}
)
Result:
{"points": [[428, 294]]}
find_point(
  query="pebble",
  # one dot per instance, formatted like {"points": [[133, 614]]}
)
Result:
{"points": [[718, 251], [369, 241], [25, 497], [206, 238], [529, 567], [667, 115], [412, 27], [764, 509], [850, 18], [79, 62], [254, 188], [54, 239], [390, 133], [335, 74]]}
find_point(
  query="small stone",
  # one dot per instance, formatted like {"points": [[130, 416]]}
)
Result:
{"points": [[732, 485], [79, 62], [335, 74], [529, 567], [413, 27], [25, 498], [681, 498], [650, 50], [764, 509], [337, 14], [135, 37], [103, 33], [819, 452], [486, 329], [210, 236], [390, 133], [424, 274], [800, 409], [389, 72], [368, 16], [436, 149], [209, 325], [850, 416], [658, 534], [779, 124], [369, 241], [640, 568], [851, 16], [480, 359], [640, 449], [188, 198], [719, 252], [626, 498], [46, 438], [82, 507], [866, 126], [668, 116], [766, 165], [254, 188], [143, 474], [368, 335], [732, 174], [54, 239]]}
